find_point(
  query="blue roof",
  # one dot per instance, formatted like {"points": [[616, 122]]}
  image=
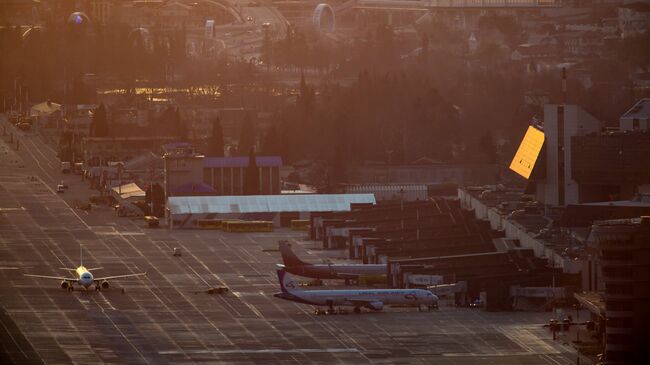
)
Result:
{"points": [[262, 161]]}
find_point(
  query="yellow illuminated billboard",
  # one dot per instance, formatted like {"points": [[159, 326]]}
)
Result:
{"points": [[526, 156]]}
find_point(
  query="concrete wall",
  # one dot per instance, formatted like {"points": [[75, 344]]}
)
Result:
{"points": [[514, 230], [627, 124]]}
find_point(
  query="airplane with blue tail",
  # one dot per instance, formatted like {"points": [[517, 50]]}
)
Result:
{"points": [[374, 299]]}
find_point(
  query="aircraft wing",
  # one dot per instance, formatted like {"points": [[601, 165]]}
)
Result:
{"points": [[51, 277], [120, 276], [372, 304]]}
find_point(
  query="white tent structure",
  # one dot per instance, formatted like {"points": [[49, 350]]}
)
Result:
{"points": [[44, 109], [128, 192], [182, 208]]}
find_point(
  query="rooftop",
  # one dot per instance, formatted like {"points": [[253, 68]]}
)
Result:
{"points": [[262, 161], [266, 203], [640, 110]]}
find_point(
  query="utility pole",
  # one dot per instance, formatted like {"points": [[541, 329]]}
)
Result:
{"points": [[152, 168], [401, 194]]}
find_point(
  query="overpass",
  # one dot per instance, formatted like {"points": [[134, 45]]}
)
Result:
{"points": [[425, 5]]}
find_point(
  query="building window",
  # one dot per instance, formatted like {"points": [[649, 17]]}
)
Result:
{"points": [[618, 288], [618, 272], [625, 322], [617, 255], [619, 306], [618, 338]]}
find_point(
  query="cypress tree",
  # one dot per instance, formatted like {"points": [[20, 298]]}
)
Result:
{"points": [[215, 143], [252, 175], [99, 127], [271, 143], [246, 136]]}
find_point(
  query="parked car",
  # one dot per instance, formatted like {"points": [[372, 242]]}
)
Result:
{"points": [[476, 304], [60, 189]]}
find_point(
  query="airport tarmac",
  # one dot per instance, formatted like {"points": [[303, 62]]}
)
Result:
{"points": [[162, 319]]}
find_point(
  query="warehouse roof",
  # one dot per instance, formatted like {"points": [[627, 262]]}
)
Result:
{"points": [[266, 203]]}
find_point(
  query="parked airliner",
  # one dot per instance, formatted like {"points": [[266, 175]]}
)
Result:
{"points": [[296, 266], [84, 278], [374, 299]]}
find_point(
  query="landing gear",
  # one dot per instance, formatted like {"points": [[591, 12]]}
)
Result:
{"points": [[357, 310], [330, 309], [71, 288], [98, 288]]}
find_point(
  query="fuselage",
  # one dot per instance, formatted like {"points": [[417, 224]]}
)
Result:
{"points": [[354, 297], [337, 271], [84, 277]]}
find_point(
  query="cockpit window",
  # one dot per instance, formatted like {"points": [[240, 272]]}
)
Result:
{"points": [[85, 276]]}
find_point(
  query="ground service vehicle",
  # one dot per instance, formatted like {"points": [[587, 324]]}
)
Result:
{"points": [[65, 167]]}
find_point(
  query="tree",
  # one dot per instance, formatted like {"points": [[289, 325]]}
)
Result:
{"points": [[246, 136], [305, 100], [271, 143], [285, 143], [488, 148], [337, 166], [156, 192], [99, 126], [252, 175], [300, 100], [215, 142], [180, 129]]}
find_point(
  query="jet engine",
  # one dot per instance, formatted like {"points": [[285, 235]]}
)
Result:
{"points": [[105, 284], [65, 285], [377, 306]]}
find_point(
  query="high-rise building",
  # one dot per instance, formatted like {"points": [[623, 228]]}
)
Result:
{"points": [[624, 247]]}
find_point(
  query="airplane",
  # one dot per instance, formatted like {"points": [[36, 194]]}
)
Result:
{"points": [[84, 278], [374, 299], [298, 267]]}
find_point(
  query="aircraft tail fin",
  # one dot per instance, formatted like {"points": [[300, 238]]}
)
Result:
{"points": [[288, 256], [286, 281]]}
